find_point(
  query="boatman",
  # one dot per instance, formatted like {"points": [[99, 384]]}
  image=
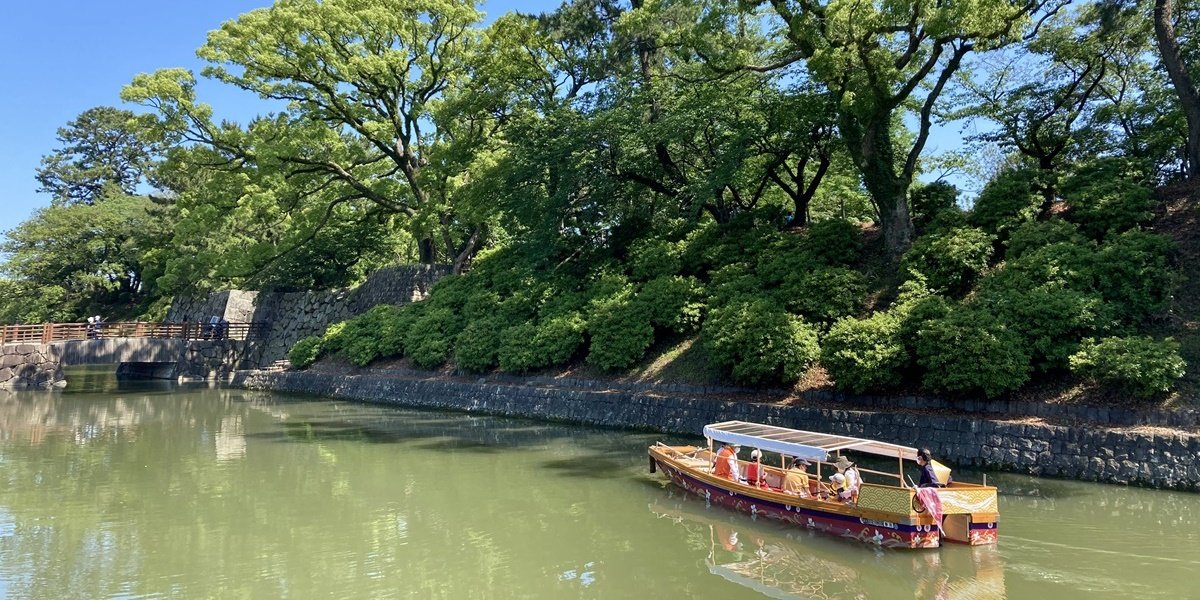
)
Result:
{"points": [[727, 465]]}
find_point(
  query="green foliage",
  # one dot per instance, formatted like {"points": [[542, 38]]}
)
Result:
{"points": [[305, 352], [968, 351], [1108, 196], [620, 330], [394, 330], [516, 354], [558, 339], [950, 260], [360, 339], [430, 339], [1007, 201], [835, 242], [1139, 364], [1134, 274], [822, 294], [651, 258], [332, 340], [673, 303], [759, 342], [865, 354], [1049, 319], [1036, 234], [476, 348], [929, 202]]}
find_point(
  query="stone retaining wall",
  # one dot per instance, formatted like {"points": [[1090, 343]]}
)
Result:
{"points": [[24, 366], [292, 316], [1087, 453]]}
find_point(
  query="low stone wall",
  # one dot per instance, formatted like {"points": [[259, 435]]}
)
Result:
{"points": [[1087, 453], [24, 366]]}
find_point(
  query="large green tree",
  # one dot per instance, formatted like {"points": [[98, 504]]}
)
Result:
{"points": [[370, 88], [885, 58]]}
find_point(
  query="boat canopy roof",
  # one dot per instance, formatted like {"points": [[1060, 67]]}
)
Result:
{"points": [[801, 444]]}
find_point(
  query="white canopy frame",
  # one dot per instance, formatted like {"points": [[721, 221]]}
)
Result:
{"points": [[808, 445]]}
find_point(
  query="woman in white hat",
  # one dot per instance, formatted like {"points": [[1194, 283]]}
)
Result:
{"points": [[754, 470]]}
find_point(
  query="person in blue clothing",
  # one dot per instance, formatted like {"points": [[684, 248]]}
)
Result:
{"points": [[928, 477]]}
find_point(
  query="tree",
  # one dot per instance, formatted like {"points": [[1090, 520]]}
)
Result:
{"points": [[90, 257], [102, 147], [1045, 96], [370, 86], [879, 59], [1175, 58]]}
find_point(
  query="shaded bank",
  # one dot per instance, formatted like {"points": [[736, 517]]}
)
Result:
{"points": [[1138, 456]]}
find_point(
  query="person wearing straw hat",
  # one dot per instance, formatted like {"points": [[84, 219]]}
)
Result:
{"points": [[852, 478], [796, 481]]}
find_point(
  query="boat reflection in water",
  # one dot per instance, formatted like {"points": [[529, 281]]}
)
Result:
{"points": [[781, 562]]}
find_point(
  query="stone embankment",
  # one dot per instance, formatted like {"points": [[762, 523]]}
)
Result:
{"points": [[292, 316], [25, 366], [1092, 451]]}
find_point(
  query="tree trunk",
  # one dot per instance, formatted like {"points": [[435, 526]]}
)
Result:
{"points": [[426, 253], [870, 146], [1168, 47]]}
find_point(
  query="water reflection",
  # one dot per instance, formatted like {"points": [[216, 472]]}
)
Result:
{"points": [[783, 563], [205, 492]]}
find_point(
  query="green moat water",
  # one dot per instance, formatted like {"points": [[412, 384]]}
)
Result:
{"points": [[156, 491]]}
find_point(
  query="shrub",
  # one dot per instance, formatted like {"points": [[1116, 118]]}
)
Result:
{"points": [[305, 352], [360, 338], [673, 303], [732, 283], [865, 354], [1012, 198], [430, 339], [394, 330], [476, 347], [759, 342], [823, 294], [332, 339], [786, 255], [516, 353], [969, 350], [1133, 273], [620, 330], [950, 260], [928, 202], [1062, 264], [557, 339], [1050, 320], [1139, 364], [1037, 234], [650, 258], [1108, 195], [835, 242], [915, 313]]}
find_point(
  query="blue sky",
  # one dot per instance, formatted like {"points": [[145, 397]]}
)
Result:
{"points": [[61, 57]]}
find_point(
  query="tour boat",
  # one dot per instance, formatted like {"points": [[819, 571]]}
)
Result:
{"points": [[887, 511], [784, 564]]}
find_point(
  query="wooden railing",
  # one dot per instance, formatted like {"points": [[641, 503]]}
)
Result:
{"points": [[46, 333]]}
